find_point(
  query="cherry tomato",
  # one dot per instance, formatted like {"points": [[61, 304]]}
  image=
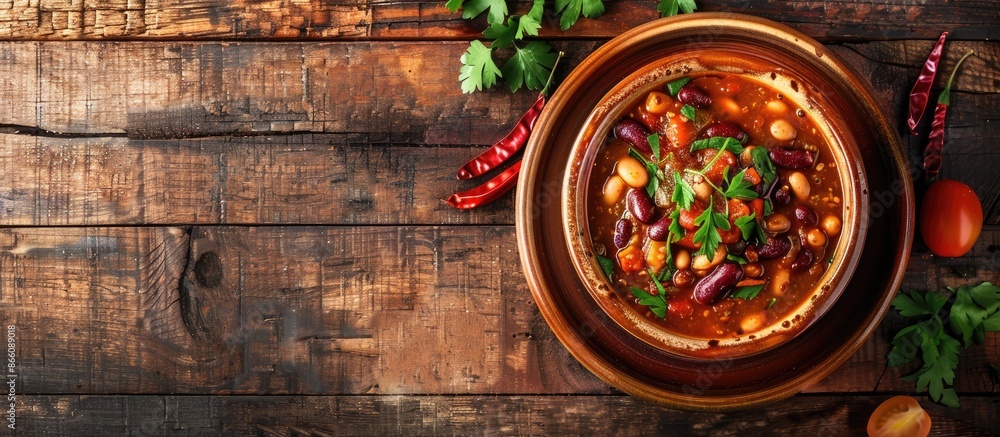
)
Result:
{"points": [[899, 416], [951, 218]]}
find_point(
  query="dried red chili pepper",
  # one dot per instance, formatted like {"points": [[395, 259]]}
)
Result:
{"points": [[510, 144], [507, 146], [488, 192], [921, 91], [935, 143]]}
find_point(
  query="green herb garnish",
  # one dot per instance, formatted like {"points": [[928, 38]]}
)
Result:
{"points": [[764, 165], [688, 111], [572, 9], [770, 304], [654, 143], [748, 292], [976, 309], [718, 143], [675, 86], [608, 266], [669, 8], [676, 231], [708, 233], [657, 304], [738, 187], [747, 224], [683, 193]]}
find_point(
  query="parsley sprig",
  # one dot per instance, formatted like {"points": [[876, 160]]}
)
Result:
{"points": [[529, 65], [975, 310]]}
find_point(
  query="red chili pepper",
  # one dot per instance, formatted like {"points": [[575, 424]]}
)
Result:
{"points": [[921, 91], [935, 143], [506, 147], [488, 192]]}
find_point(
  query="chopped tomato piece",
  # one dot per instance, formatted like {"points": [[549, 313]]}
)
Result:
{"points": [[899, 416], [678, 132], [688, 216], [680, 308]]}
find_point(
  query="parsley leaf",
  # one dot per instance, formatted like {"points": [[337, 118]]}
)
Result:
{"points": [[675, 86], [472, 9], [653, 185], [747, 224], [654, 143], [973, 305], [739, 187], [675, 228], [747, 292], [688, 111], [608, 266], [657, 304], [764, 166], [478, 70], [669, 8], [529, 66], [503, 35], [572, 9], [970, 316], [718, 143], [708, 233], [683, 194]]}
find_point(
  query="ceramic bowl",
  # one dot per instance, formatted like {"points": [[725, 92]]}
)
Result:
{"points": [[603, 332], [784, 70]]}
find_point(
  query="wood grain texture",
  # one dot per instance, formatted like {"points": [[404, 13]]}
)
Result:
{"points": [[377, 19], [277, 310], [190, 89], [282, 179], [327, 310], [467, 415]]}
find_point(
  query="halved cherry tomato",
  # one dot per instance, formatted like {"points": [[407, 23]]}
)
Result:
{"points": [[899, 416], [951, 218]]}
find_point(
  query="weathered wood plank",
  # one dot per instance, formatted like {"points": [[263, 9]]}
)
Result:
{"points": [[285, 179], [375, 19], [333, 310], [67, 415], [185, 89], [277, 310]]}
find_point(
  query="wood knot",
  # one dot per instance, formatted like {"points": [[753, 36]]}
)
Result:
{"points": [[208, 270]]}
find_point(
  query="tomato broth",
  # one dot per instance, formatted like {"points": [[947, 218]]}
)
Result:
{"points": [[714, 206]]}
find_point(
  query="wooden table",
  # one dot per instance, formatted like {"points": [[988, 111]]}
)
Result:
{"points": [[225, 217]]}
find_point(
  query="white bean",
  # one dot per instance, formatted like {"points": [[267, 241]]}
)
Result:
{"points": [[632, 172], [614, 187], [782, 130], [799, 185]]}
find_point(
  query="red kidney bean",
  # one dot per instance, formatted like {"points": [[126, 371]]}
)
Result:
{"points": [[623, 233], [805, 215], [803, 261], [781, 197], [658, 231], [791, 158], [694, 96], [725, 129], [717, 284], [774, 248], [635, 133], [640, 205]]}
